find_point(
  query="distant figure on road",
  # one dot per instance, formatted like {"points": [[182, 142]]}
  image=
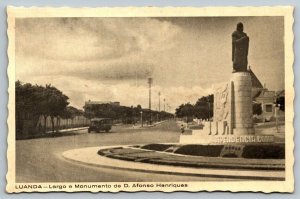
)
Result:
{"points": [[182, 128]]}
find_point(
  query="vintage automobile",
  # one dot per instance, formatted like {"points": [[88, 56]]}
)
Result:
{"points": [[100, 124]]}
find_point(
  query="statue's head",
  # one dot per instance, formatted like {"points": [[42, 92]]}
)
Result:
{"points": [[240, 27]]}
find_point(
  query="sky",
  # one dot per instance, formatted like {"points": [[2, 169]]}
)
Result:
{"points": [[110, 59]]}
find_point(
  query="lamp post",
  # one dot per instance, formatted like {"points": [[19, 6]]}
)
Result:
{"points": [[141, 118], [150, 80], [276, 116], [158, 117], [158, 101], [276, 109], [168, 107], [209, 116]]}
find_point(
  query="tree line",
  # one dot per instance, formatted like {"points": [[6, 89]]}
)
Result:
{"points": [[34, 101], [202, 109], [125, 114]]}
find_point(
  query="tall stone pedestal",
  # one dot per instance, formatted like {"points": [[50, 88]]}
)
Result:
{"points": [[233, 114], [242, 104]]}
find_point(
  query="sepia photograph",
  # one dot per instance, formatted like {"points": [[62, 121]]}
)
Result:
{"points": [[150, 99]]}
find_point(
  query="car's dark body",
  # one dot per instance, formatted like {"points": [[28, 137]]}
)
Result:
{"points": [[100, 124]]}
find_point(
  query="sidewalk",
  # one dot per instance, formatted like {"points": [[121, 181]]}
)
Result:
{"points": [[68, 130], [148, 126], [50, 133]]}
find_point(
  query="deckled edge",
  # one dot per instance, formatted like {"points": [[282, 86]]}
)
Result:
{"points": [[9, 111], [10, 137], [291, 45]]}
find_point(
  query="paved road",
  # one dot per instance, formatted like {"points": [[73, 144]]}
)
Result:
{"points": [[40, 160]]}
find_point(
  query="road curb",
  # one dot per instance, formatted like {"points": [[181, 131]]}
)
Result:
{"points": [[89, 156]]}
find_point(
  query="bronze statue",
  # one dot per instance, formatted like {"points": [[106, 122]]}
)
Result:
{"points": [[240, 46]]}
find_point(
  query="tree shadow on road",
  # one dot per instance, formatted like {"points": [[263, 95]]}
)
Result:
{"points": [[48, 135]]}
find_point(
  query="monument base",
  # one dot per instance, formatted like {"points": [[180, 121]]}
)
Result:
{"points": [[205, 139], [243, 131]]}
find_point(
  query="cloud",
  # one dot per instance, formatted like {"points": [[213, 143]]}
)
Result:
{"points": [[92, 39], [106, 48], [114, 57]]}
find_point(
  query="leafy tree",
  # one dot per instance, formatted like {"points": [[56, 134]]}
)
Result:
{"points": [[185, 110], [70, 112], [204, 107], [56, 102], [125, 114], [28, 104], [139, 107], [32, 101]]}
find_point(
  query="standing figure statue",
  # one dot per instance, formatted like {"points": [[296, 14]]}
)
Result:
{"points": [[240, 46]]}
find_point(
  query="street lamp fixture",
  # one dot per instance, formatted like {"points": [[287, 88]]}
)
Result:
{"points": [[141, 118], [209, 117], [150, 80]]}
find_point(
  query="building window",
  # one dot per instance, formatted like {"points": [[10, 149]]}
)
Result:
{"points": [[269, 108]]}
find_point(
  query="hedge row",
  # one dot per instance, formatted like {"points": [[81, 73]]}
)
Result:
{"points": [[264, 151], [157, 147], [201, 150], [272, 151]]}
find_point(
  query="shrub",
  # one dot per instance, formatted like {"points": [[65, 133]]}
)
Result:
{"points": [[157, 147], [201, 150], [264, 151]]}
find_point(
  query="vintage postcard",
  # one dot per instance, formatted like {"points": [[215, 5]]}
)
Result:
{"points": [[150, 99]]}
